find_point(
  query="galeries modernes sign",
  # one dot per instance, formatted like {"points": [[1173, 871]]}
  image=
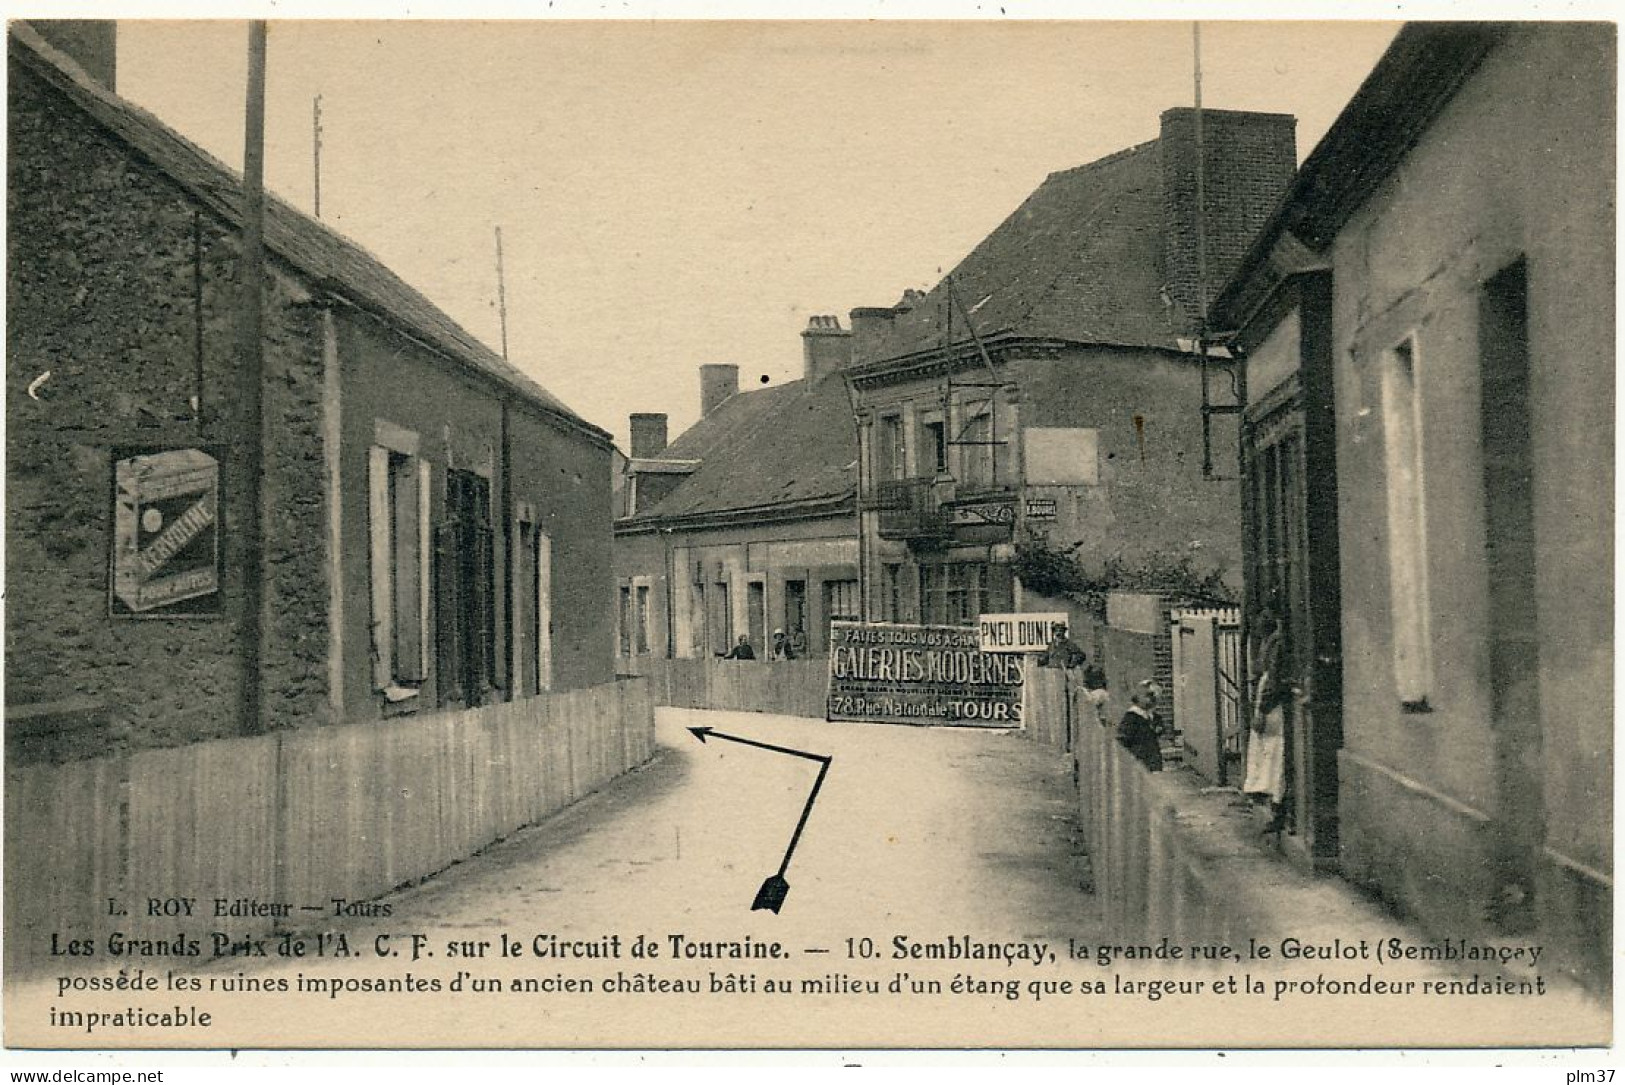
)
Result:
{"points": [[935, 675]]}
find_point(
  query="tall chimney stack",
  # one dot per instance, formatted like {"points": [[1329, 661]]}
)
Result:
{"points": [[1249, 160], [717, 383], [648, 435], [825, 348], [90, 43], [871, 328]]}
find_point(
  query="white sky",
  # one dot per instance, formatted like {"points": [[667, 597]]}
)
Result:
{"points": [[676, 193]]}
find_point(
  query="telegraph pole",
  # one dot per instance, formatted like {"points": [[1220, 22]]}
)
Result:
{"points": [[502, 296], [250, 343], [316, 150]]}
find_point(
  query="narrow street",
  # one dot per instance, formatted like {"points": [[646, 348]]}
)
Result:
{"points": [[958, 829], [923, 832]]}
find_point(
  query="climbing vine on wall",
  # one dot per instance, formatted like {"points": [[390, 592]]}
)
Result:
{"points": [[1062, 574]]}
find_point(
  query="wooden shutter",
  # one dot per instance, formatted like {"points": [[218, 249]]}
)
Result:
{"points": [[382, 566], [482, 610], [448, 612]]}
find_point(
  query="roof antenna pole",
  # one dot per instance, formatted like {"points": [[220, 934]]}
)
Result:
{"points": [[1201, 254], [316, 150], [502, 296]]}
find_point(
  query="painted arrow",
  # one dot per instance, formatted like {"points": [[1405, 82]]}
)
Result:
{"points": [[773, 891]]}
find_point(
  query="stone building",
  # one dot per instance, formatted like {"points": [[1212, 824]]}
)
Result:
{"points": [[1428, 332], [744, 524], [1041, 393], [420, 495]]}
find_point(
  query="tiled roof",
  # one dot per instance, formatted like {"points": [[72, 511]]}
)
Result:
{"points": [[792, 446], [1079, 260], [333, 262]]}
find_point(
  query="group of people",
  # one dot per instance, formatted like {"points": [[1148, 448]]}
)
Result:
{"points": [[780, 649], [1141, 729]]}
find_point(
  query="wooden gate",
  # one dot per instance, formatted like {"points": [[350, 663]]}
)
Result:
{"points": [[1207, 689]]}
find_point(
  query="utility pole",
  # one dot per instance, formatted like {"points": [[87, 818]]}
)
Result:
{"points": [[316, 150], [502, 296], [250, 344]]}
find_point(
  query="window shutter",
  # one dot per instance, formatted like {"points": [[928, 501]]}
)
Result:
{"points": [[382, 565], [482, 612], [448, 641], [405, 494]]}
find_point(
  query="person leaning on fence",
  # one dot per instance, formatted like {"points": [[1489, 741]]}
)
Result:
{"points": [[1151, 689], [742, 650], [1095, 692], [1137, 733], [1062, 651], [781, 648]]}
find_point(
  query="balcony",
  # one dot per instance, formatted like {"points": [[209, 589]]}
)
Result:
{"points": [[909, 508]]}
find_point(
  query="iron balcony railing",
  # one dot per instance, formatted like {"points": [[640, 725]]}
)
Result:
{"points": [[909, 508]]}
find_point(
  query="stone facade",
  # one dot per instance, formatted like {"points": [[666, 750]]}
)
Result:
{"points": [[122, 298], [115, 279]]}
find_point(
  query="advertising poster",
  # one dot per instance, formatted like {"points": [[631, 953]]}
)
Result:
{"points": [[166, 520], [920, 674]]}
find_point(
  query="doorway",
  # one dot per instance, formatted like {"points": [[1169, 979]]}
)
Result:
{"points": [[1512, 628]]}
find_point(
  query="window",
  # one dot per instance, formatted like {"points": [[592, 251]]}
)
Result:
{"points": [[1407, 525], [841, 600], [931, 588], [935, 448], [889, 448], [955, 593], [976, 453], [891, 588], [532, 573], [398, 521], [698, 635], [625, 621], [719, 618], [633, 620], [963, 601], [641, 623], [756, 616], [795, 614], [466, 660], [544, 611]]}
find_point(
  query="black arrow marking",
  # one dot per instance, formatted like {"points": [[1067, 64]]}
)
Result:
{"points": [[773, 891]]}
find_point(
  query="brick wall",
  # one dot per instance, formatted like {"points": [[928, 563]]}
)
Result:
{"points": [[1249, 160]]}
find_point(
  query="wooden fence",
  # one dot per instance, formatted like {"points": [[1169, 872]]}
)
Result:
{"points": [[796, 687], [1169, 857], [300, 817]]}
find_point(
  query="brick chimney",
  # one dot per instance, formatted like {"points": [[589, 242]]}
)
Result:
{"points": [[90, 43], [1249, 161], [648, 435], [825, 348], [871, 328], [717, 383]]}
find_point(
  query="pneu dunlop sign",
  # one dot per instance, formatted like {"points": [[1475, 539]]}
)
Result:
{"points": [[936, 675], [166, 532], [1018, 632]]}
